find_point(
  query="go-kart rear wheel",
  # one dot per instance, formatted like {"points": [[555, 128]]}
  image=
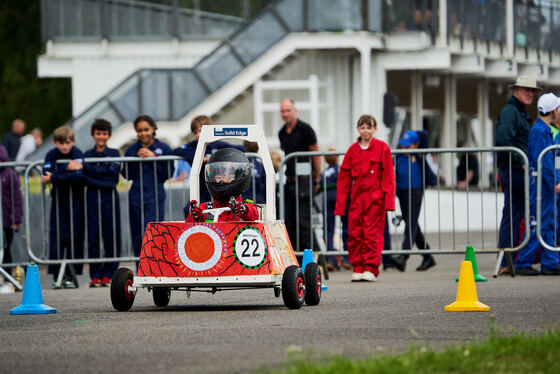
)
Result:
{"points": [[312, 284], [121, 298], [293, 287], [161, 295]]}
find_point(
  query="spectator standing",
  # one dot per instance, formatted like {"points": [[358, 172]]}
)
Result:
{"points": [[66, 235], [103, 211], [12, 139], [467, 170], [512, 130], [12, 208], [330, 176], [412, 175], [540, 137], [367, 168], [147, 195], [298, 136], [29, 143], [258, 179]]}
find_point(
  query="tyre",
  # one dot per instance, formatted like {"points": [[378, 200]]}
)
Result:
{"points": [[312, 284], [161, 295], [121, 298], [293, 287]]}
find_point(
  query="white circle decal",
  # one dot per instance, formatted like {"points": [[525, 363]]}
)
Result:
{"points": [[199, 248], [249, 248]]}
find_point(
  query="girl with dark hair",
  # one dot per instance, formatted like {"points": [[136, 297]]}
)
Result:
{"points": [[147, 195]]}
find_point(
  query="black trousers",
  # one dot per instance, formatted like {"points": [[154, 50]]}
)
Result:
{"points": [[411, 202], [8, 238], [300, 217]]}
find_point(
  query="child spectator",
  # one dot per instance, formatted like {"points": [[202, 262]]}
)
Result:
{"points": [[367, 168], [188, 150], [147, 195], [467, 174], [276, 158], [410, 170], [66, 236], [330, 176], [258, 195], [227, 175], [12, 209], [103, 211]]}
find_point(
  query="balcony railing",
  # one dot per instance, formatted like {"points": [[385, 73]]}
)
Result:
{"points": [[130, 19]]}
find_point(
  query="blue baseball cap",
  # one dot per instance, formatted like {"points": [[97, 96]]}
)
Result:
{"points": [[409, 138]]}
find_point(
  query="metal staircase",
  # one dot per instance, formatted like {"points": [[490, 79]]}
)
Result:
{"points": [[170, 94]]}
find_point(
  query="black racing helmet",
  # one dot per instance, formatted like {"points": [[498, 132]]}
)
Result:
{"points": [[227, 174]]}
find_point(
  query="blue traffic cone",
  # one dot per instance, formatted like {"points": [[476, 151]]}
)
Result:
{"points": [[32, 300], [308, 258]]}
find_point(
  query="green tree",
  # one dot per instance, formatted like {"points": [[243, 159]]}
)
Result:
{"points": [[44, 103]]}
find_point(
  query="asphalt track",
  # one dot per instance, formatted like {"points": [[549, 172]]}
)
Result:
{"points": [[241, 331]]}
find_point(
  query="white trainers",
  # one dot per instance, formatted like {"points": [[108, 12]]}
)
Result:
{"points": [[368, 276], [357, 277], [7, 288]]}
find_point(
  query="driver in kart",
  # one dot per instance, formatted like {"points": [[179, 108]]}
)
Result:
{"points": [[227, 175]]}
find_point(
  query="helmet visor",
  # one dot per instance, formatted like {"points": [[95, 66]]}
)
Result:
{"points": [[225, 171]]}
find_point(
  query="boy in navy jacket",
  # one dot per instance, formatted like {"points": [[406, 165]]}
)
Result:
{"points": [[103, 211], [66, 236]]}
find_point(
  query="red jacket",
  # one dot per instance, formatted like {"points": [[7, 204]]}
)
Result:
{"points": [[252, 213], [371, 175]]}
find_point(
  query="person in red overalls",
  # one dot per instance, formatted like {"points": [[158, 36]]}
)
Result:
{"points": [[368, 169], [227, 176]]}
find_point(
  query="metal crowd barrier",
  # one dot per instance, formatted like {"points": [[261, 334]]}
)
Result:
{"points": [[451, 217], [36, 226], [38, 208]]}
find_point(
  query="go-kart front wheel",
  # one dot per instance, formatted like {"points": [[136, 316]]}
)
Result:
{"points": [[312, 284], [121, 297], [161, 295], [293, 287]]}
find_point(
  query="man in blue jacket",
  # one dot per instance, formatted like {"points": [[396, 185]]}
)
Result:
{"points": [[512, 130], [540, 137]]}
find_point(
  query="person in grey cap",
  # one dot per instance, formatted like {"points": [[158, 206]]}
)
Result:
{"points": [[512, 130]]}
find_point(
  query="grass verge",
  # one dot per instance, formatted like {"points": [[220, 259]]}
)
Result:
{"points": [[520, 353]]}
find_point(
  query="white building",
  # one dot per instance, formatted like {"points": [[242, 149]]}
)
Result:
{"points": [[447, 62]]}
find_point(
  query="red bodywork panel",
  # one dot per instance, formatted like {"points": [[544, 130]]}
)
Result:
{"points": [[181, 249]]}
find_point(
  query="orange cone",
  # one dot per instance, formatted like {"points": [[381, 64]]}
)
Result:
{"points": [[467, 299]]}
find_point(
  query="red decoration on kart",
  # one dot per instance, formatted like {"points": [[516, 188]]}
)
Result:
{"points": [[201, 247]]}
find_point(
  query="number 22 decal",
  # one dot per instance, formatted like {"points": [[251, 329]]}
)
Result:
{"points": [[254, 245], [249, 248]]}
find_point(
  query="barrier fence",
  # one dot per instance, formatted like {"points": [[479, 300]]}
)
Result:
{"points": [[451, 217]]}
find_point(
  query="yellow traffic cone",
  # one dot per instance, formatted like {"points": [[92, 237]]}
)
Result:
{"points": [[467, 299]]}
